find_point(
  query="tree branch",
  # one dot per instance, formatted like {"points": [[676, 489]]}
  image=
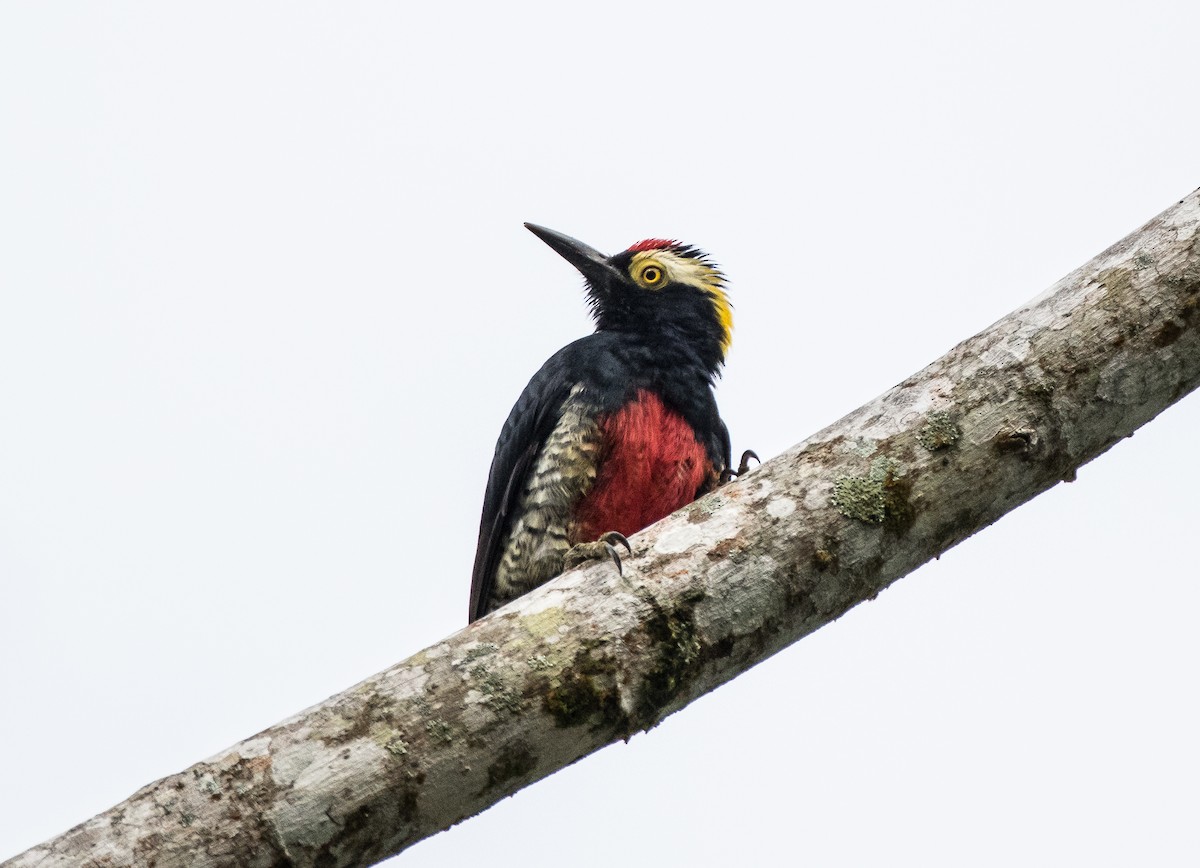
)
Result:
{"points": [[594, 657]]}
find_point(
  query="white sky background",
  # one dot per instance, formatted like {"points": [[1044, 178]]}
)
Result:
{"points": [[265, 300]]}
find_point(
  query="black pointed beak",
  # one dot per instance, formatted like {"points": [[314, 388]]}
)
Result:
{"points": [[592, 264]]}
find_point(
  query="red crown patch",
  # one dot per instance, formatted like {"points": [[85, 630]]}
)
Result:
{"points": [[652, 244]]}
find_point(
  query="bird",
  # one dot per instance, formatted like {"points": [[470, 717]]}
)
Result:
{"points": [[617, 429]]}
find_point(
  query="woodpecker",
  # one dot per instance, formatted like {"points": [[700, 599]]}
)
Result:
{"points": [[618, 429]]}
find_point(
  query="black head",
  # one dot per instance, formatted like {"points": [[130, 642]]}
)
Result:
{"points": [[661, 289]]}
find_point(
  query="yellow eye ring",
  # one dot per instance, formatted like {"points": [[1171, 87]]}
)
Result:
{"points": [[652, 275]]}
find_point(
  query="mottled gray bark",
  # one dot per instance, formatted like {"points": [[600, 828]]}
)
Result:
{"points": [[594, 656]]}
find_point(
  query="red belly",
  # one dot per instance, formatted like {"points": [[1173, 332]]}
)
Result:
{"points": [[652, 466]]}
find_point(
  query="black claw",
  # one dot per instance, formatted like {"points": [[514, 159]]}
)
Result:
{"points": [[744, 465], [616, 556], [612, 537], [584, 552]]}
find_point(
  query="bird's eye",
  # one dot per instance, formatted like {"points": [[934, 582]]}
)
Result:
{"points": [[652, 275]]}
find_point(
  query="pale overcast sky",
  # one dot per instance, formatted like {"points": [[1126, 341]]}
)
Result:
{"points": [[265, 300]]}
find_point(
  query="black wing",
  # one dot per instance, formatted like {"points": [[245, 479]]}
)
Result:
{"points": [[721, 447], [529, 423]]}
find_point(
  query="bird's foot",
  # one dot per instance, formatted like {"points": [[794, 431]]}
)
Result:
{"points": [[604, 547], [743, 466]]}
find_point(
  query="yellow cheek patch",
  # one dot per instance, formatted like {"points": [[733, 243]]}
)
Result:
{"points": [[688, 270], [724, 316]]}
